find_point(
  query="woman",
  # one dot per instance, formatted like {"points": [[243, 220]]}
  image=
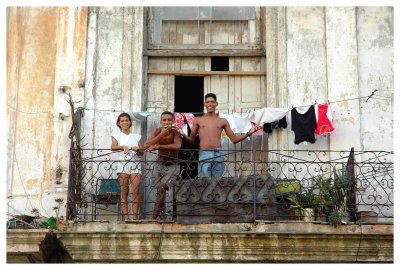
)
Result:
{"points": [[128, 170]]}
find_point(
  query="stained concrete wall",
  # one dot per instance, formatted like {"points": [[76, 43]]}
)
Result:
{"points": [[375, 64], [150, 242], [45, 50]]}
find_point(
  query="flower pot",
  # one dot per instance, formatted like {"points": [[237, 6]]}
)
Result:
{"points": [[307, 214], [367, 216], [294, 213]]}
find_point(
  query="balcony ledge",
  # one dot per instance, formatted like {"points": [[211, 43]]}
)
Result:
{"points": [[294, 241]]}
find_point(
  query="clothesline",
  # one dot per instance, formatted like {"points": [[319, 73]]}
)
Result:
{"points": [[338, 101], [371, 96]]}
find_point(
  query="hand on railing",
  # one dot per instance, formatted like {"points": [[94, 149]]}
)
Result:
{"points": [[126, 150], [138, 151], [152, 148]]}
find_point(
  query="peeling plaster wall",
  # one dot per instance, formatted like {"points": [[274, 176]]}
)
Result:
{"points": [[114, 76], [306, 65], [335, 53], [375, 63], [343, 77], [45, 50], [114, 71]]}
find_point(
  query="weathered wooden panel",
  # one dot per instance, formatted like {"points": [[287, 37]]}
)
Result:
{"points": [[222, 33], [188, 31], [219, 85], [168, 35], [250, 91], [191, 63], [158, 86], [205, 32]]}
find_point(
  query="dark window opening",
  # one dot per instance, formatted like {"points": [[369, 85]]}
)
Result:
{"points": [[219, 63], [189, 94]]}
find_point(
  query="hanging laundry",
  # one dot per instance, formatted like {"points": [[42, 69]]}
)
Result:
{"points": [[180, 119], [267, 115], [239, 122], [258, 132], [268, 127], [323, 115], [304, 125], [189, 156]]}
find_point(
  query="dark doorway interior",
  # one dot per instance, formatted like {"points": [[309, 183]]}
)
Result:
{"points": [[189, 97], [189, 94]]}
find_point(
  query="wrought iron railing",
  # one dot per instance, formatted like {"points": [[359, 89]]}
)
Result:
{"points": [[327, 186]]}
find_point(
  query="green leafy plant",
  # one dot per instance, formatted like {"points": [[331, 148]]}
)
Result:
{"points": [[334, 218], [53, 223], [333, 193], [306, 199]]}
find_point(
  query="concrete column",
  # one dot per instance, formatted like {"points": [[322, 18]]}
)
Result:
{"points": [[275, 45]]}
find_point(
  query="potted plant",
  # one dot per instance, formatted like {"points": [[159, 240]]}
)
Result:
{"points": [[305, 204], [332, 195]]}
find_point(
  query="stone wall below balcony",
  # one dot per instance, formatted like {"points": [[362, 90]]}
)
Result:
{"points": [[296, 241]]}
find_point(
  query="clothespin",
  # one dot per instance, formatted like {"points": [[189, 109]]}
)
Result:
{"points": [[292, 106], [370, 96], [315, 102]]}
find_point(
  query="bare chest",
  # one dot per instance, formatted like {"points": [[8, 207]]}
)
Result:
{"points": [[167, 138], [211, 124]]}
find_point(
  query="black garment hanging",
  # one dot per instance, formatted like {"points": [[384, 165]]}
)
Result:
{"points": [[189, 156], [268, 127], [304, 125]]}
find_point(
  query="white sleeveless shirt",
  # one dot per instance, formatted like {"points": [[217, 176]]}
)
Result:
{"points": [[124, 162]]}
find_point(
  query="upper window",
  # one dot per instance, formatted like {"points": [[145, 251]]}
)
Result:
{"points": [[206, 13], [207, 26]]}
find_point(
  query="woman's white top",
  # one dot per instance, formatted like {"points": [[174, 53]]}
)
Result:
{"points": [[125, 163]]}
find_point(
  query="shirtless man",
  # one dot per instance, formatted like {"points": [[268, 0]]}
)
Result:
{"points": [[168, 142], [209, 127]]}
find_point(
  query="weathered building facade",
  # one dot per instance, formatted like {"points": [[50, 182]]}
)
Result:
{"points": [[113, 59]]}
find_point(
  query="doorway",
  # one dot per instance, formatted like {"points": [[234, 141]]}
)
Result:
{"points": [[189, 94]]}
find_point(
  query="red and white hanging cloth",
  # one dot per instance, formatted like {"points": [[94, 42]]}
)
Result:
{"points": [[324, 119]]}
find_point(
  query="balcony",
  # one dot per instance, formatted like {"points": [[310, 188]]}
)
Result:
{"points": [[336, 187], [267, 206]]}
